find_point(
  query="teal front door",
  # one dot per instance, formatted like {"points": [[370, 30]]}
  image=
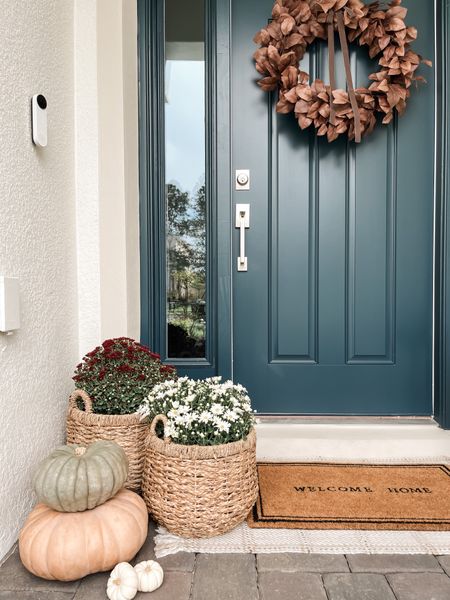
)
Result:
{"points": [[334, 313]]}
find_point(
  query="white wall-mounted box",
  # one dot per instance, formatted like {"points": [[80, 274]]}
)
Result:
{"points": [[9, 304]]}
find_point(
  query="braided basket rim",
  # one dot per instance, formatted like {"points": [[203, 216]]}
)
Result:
{"points": [[196, 452], [91, 418]]}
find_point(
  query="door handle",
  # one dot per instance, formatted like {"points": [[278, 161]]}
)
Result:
{"points": [[242, 223]]}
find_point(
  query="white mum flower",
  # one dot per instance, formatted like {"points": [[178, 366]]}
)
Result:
{"points": [[231, 415], [170, 430], [217, 409], [205, 417], [222, 425], [187, 420]]}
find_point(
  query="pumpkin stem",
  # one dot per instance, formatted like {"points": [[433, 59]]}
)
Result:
{"points": [[80, 451], [116, 581]]}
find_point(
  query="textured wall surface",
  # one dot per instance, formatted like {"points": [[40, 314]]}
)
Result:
{"points": [[106, 170], [87, 174], [37, 244]]}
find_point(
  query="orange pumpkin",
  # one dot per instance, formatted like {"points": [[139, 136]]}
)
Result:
{"points": [[67, 546]]}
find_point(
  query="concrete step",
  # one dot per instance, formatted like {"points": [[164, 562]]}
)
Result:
{"points": [[378, 439]]}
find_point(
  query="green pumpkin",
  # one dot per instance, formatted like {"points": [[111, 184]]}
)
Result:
{"points": [[75, 478]]}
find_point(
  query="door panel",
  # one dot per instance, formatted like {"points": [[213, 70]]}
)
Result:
{"points": [[334, 315]]}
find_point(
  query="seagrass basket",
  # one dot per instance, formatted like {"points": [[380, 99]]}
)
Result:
{"points": [[85, 427], [199, 491]]}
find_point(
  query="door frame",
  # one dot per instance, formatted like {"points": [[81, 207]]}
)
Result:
{"points": [[219, 192]]}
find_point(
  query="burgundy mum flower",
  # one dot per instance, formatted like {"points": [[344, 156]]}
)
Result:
{"points": [[119, 374]]}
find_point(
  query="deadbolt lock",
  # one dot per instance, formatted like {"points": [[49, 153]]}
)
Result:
{"points": [[242, 179]]}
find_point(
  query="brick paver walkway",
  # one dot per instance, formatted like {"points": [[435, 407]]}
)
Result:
{"points": [[256, 577]]}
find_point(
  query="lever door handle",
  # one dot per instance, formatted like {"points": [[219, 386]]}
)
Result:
{"points": [[242, 223]]}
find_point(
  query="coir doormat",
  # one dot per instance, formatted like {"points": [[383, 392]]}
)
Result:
{"points": [[352, 496]]}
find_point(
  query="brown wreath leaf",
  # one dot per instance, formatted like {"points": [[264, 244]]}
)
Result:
{"points": [[287, 24], [274, 30], [293, 40], [340, 97], [341, 127], [276, 10], [363, 23], [262, 37], [411, 34], [291, 95], [289, 77], [284, 107], [305, 93], [273, 56], [332, 134], [384, 41], [268, 84], [324, 111], [303, 77], [302, 13], [302, 106], [326, 5], [304, 122], [397, 11]]}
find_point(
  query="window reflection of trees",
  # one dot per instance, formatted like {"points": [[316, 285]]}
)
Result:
{"points": [[186, 262]]}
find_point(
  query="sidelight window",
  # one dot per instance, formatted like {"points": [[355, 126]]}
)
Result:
{"points": [[185, 189]]}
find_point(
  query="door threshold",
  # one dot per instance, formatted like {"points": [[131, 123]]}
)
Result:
{"points": [[344, 420], [299, 439]]}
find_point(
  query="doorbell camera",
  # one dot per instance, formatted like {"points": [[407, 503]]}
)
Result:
{"points": [[39, 119]]}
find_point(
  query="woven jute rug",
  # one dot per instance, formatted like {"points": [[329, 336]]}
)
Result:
{"points": [[353, 496], [246, 540]]}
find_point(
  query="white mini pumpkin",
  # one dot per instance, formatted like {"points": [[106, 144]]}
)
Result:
{"points": [[122, 583], [150, 575]]}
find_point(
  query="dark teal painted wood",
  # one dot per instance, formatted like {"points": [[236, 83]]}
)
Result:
{"points": [[334, 315], [223, 167], [442, 309], [151, 180], [151, 257]]}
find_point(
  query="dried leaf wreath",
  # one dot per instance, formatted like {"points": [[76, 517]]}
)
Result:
{"points": [[296, 24]]}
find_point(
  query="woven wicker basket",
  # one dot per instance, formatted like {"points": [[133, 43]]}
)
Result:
{"points": [[85, 427], [199, 491]]}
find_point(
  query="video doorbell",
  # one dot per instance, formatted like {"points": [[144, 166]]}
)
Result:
{"points": [[39, 119]]}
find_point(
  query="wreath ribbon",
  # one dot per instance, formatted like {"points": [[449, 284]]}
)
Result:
{"points": [[348, 72]]}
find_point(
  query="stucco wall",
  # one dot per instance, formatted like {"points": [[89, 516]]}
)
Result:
{"points": [[106, 157], [37, 244]]}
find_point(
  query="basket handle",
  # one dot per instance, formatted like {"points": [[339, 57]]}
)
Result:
{"points": [[159, 419], [82, 395]]}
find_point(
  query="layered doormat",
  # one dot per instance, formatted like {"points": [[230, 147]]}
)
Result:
{"points": [[380, 509], [352, 496]]}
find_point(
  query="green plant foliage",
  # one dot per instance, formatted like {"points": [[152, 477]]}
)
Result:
{"points": [[119, 374], [205, 412]]}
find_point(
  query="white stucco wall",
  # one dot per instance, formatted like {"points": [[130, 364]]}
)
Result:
{"points": [[106, 155], [69, 218], [37, 244]]}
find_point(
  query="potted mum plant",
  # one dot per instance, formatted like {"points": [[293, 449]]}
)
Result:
{"points": [[199, 475], [111, 383]]}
